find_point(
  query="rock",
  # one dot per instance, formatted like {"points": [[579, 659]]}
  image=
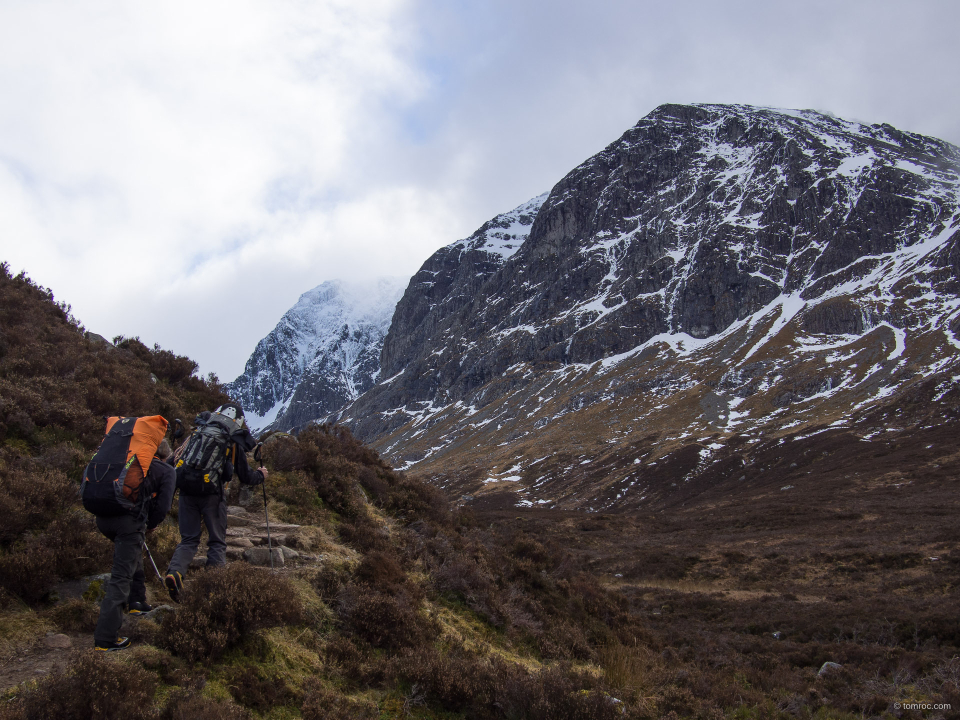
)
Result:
{"points": [[98, 339], [840, 316], [261, 556], [246, 496], [58, 641], [234, 553], [236, 510], [289, 553], [276, 528], [828, 667], [240, 542], [153, 614], [239, 521]]}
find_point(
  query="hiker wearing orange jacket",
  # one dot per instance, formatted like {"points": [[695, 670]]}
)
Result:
{"points": [[127, 583]]}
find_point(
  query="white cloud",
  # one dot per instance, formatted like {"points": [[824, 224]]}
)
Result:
{"points": [[154, 147], [175, 151]]}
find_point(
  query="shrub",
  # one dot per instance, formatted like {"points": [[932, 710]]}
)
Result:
{"points": [[298, 493], [457, 681], [329, 580], [364, 533], [75, 615], [382, 571], [385, 621], [223, 605], [492, 687], [413, 500], [70, 546], [284, 453], [335, 482], [31, 498], [164, 364], [92, 686], [183, 705], [254, 688]]}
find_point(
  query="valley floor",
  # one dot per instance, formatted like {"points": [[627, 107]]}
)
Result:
{"points": [[840, 603]]}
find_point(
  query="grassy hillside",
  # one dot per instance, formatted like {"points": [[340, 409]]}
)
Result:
{"points": [[401, 605], [56, 385]]}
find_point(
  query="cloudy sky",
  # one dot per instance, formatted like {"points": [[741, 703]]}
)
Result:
{"points": [[183, 171]]}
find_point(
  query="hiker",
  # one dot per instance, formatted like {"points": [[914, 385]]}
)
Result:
{"points": [[127, 504], [205, 463], [158, 509]]}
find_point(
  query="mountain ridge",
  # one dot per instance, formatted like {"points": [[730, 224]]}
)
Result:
{"points": [[680, 260]]}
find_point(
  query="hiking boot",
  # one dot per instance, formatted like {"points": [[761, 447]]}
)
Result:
{"points": [[174, 584], [138, 608], [121, 643]]}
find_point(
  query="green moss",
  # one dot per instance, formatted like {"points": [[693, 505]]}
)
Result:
{"points": [[216, 689], [95, 591], [21, 447]]}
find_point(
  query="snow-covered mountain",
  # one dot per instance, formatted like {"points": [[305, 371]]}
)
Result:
{"points": [[324, 352], [718, 278]]}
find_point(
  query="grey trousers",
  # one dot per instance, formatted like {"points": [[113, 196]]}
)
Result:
{"points": [[127, 533], [212, 511]]}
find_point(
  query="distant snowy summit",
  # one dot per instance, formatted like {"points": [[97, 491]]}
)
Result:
{"points": [[324, 353]]}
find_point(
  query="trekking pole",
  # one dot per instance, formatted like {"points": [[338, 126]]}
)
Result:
{"points": [[155, 568], [258, 456]]}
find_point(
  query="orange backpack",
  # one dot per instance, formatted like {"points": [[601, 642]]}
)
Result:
{"points": [[113, 481]]}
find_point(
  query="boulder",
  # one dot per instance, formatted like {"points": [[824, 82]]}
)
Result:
{"points": [[828, 667], [261, 556], [289, 553], [58, 641]]}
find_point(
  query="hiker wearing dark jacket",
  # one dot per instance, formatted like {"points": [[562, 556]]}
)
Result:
{"points": [[205, 502], [127, 583]]}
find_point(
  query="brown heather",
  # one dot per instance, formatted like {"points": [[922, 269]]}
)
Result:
{"points": [[56, 384], [416, 609], [223, 605]]}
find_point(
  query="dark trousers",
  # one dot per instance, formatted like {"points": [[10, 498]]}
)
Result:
{"points": [[127, 534], [212, 511]]}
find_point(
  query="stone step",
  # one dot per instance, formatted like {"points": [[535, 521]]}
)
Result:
{"points": [[275, 530], [240, 521]]}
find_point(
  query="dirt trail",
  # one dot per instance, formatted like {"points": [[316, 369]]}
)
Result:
{"points": [[55, 649], [39, 660]]}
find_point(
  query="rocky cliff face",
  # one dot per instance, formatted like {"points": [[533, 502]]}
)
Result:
{"points": [[716, 269], [324, 353]]}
